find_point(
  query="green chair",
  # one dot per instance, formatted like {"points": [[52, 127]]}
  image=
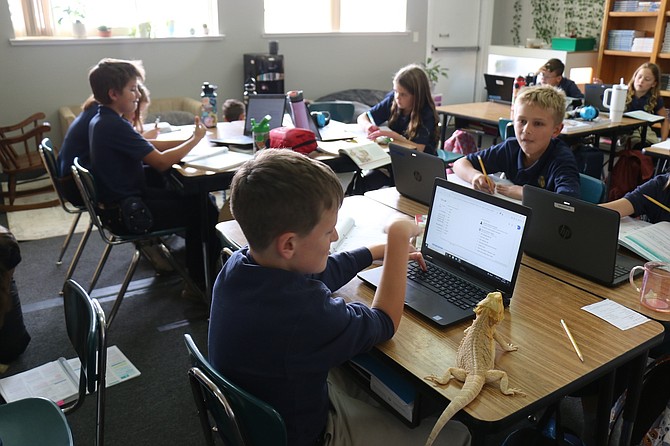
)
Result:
{"points": [[342, 111], [85, 324], [239, 418], [34, 422], [592, 189], [505, 128]]}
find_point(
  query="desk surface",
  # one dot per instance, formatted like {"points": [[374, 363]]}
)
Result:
{"points": [[623, 294], [545, 367]]}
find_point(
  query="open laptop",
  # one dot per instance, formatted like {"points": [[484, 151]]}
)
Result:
{"points": [[334, 131], [259, 105], [593, 95], [471, 236], [415, 172], [499, 88], [576, 235]]}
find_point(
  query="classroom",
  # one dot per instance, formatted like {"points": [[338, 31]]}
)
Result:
{"points": [[556, 368]]}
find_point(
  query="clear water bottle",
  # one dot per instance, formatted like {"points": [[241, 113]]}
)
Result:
{"points": [[208, 105]]}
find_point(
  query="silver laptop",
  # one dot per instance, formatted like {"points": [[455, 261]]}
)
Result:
{"points": [[576, 235], [473, 244], [415, 172], [593, 95]]}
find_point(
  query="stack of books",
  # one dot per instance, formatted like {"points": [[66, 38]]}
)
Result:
{"points": [[622, 39], [665, 82], [643, 44], [666, 40], [625, 6]]}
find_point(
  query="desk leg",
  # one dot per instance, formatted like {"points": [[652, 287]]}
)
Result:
{"points": [[637, 367], [606, 391], [204, 234]]}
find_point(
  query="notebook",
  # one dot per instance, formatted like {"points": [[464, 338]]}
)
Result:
{"points": [[593, 95], [576, 235], [414, 172], [499, 88], [471, 236]]}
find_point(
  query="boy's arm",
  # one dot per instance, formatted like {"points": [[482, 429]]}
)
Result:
{"points": [[390, 294], [162, 161], [466, 172]]}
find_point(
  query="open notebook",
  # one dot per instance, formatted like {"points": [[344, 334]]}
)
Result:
{"points": [[472, 244]]}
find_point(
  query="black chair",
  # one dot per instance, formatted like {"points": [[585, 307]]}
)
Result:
{"points": [[34, 422], [342, 111], [86, 184], [85, 324], [240, 418], [48, 155]]}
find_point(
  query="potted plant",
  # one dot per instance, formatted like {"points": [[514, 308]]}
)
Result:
{"points": [[75, 16], [104, 31], [434, 71]]}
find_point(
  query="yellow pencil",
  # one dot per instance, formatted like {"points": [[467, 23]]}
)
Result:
{"points": [[656, 202], [574, 344], [488, 180]]}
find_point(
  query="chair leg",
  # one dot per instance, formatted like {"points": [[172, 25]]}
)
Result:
{"points": [[124, 286], [177, 267], [66, 243], [77, 254], [98, 269], [202, 411]]}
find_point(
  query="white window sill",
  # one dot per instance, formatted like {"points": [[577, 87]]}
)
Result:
{"points": [[339, 34], [94, 40]]}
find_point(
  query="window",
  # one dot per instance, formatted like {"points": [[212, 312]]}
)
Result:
{"points": [[331, 16], [166, 18]]}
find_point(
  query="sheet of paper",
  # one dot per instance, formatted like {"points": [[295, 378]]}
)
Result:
{"points": [[616, 314], [643, 116]]}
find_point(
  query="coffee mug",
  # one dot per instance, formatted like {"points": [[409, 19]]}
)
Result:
{"points": [[321, 118], [655, 291]]}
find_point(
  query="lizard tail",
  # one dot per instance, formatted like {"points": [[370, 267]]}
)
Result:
{"points": [[471, 387]]}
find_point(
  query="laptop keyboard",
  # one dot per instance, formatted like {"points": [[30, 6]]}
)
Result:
{"points": [[620, 271], [451, 287]]}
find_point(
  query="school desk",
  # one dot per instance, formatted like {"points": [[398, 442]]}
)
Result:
{"points": [[545, 367], [662, 156]]}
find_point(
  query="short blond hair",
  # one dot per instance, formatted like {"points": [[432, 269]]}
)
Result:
{"points": [[546, 97]]}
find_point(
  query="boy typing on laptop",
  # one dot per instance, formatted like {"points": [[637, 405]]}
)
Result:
{"points": [[535, 156], [277, 331]]}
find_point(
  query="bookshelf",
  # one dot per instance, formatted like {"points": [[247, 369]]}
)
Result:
{"points": [[614, 64]]}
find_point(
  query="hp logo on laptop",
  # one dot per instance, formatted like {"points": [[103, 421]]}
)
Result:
{"points": [[564, 231], [417, 175]]}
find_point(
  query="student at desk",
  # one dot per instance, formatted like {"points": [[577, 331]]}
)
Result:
{"points": [[551, 73], [535, 156], [635, 203], [276, 329], [118, 152], [644, 93]]}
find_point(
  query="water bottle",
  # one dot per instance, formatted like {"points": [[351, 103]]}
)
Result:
{"points": [[208, 105], [261, 133], [519, 82], [299, 109], [615, 100]]}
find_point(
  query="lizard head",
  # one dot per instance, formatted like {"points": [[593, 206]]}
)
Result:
{"points": [[492, 305]]}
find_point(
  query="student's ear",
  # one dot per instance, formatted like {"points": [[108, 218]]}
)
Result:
{"points": [[557, 130], [286, 244], [113, 94]]}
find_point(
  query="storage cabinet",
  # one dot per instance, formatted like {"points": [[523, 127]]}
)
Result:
{"points": [[614, 64]]}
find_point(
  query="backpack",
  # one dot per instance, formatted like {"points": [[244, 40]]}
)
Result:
{"points": [[461, 142], [631, 169]]}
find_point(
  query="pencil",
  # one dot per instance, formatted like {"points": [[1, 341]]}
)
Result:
{"points": [[481, 164], [658, 203], [574, 344]]}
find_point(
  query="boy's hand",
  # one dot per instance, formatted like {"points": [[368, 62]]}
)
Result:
{"points": [[418, 258], [200, 130], [151, 133], [512, 191], [483, 183]]}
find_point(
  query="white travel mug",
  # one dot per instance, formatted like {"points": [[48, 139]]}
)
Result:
{"points": [[615, 100]]}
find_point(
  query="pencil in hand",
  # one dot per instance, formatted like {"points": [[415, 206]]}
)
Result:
{"points": [[657, 203], [486, 175]]}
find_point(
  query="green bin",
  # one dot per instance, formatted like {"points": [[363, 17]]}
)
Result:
{"points": [[573, 43]]}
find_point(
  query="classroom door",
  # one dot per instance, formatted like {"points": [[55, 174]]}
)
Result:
{"points": [[453, 42]]}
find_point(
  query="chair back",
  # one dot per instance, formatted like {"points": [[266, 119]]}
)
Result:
{"points": [[85, 325], [35, 422], [48, 155], [86, 185], [342, 111], [592, 189], [19, 142], [505, 128], [240, 418]]}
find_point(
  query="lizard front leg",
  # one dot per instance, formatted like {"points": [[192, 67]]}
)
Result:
{"points": [[507, 346]]}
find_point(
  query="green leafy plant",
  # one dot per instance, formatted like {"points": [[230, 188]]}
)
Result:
{"points": [[434, 70], [71, 13], [104, 29]]}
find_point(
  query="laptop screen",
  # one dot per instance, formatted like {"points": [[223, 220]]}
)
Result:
{"points": [[593, 95], [499, 87], [476, 233], [265, 104]]}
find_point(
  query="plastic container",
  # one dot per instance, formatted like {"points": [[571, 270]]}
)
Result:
{"points": [[299, 109], [573, 43], [208, 105]]}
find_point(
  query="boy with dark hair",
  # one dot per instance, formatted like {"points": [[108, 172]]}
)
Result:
{"points": [[551, 73], [275, 328], [233, 110], [118, 155], [534, 156]]}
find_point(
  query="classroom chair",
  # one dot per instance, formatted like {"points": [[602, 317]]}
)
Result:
{"points": [[593, 189], [35, 422], [505, 128], [239, 418], [85, 324], [48, 155]]}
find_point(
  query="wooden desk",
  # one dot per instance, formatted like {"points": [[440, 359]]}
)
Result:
{"points": [[533, 323], [662, 155]]}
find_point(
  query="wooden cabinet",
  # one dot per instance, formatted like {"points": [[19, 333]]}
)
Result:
{"points": [[613, 64]]}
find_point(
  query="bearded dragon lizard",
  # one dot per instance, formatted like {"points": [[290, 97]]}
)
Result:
{"points": [[475, 360]]}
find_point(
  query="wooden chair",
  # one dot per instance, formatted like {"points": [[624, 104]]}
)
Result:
{"points": [[19, 157]]}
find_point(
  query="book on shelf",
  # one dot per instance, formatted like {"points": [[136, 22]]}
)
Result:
{"points": [[643, 116], [59, 380], [352, 236], [649, 241], [219, 162], [367, 155], [580, 125]]}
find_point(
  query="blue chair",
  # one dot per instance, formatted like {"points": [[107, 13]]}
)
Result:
{"points": [[593, 189], [35, 422], [505, 128], [239, 418]]}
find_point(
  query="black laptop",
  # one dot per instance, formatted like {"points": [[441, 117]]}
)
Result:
{"points": [[576, 235], [499, 88], [415, 172], [593, 95], [473, 243]]}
